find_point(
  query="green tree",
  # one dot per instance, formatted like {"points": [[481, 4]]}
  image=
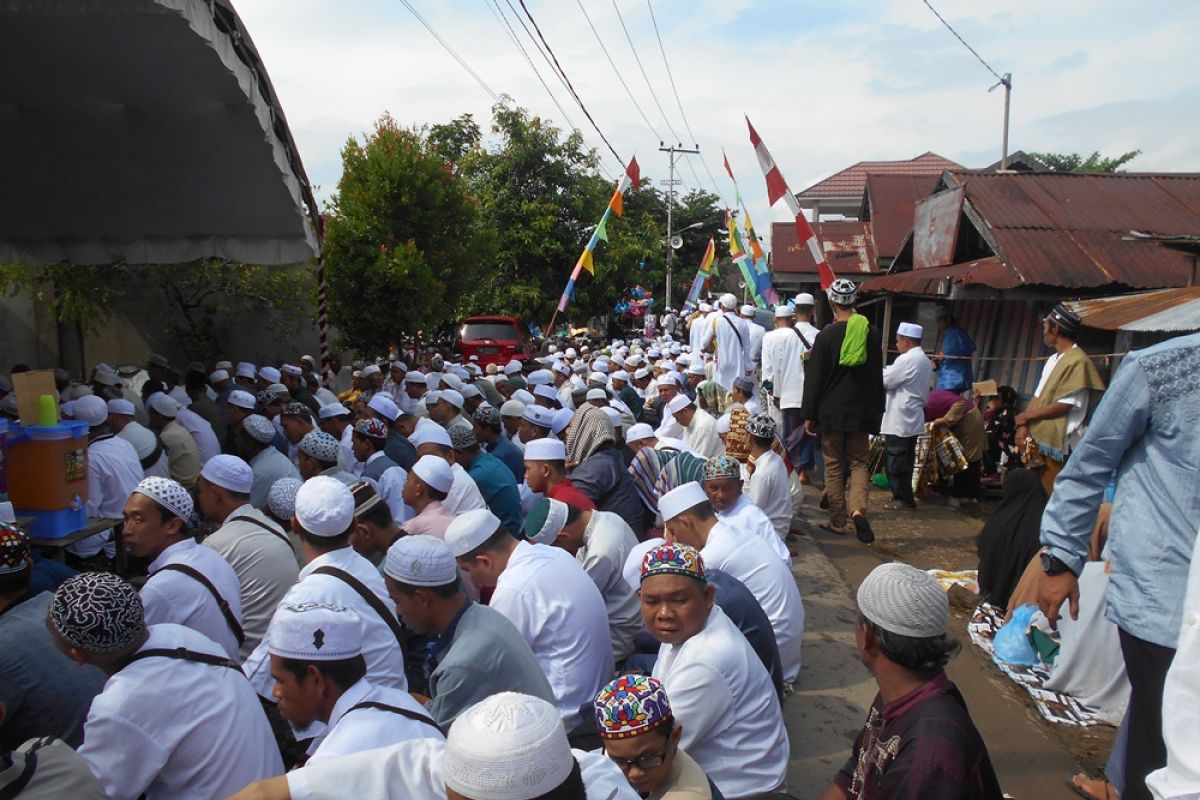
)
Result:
{"points": [[402, 242], [1075, 162]]}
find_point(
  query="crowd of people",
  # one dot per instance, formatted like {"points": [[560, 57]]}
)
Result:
{"points": [[568, 577]]}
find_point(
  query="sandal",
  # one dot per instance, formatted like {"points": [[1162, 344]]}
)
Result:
{"points": [[862, 529], [898, 505], [1089, 784], [825, 526]]}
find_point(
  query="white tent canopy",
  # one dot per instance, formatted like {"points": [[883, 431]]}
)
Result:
{"points": [[144, 131]]}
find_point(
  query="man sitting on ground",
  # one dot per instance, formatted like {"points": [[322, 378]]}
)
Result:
{"points": [[769, 487], [722, 482], [317, 454], [546, 473]]}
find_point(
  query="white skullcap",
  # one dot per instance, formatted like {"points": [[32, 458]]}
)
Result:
{"points": [[369, 370], [384, 405], [542, 390], [680, 499], [620, 375], [291, 369], [696, 369], [805, 299], [431, 398], [747, 311], [453, 397], [469, 391], [165, 405], [242, 399], [507, 747], [571, 353], [228, 472], [728, 301], [523, 396], [678, 403], [638, 432], [218, 375], [400, 365], [548, 449], [666, 380], [435, 471], [332, 410], [245, 370], [512, 367], [722, 425], [597, 377], [325, 506], [119, 405], [468, 531], [168, 494], [92, 410], [905, 601], [539, 416], [631, 570], [643, 372], [539, 377], [497, 379], [706, 307], [597, 394], [614, 416], [105, 376], [562, 368], [432, 434], [259, 428], [784, 310], [269, 374], [315, 632], [562, 418], [452, 381], [910, 330], [415, 378], [420, 561], [309, 359]]}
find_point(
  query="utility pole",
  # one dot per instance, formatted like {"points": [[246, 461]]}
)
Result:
{"points": [[672, 151], [1006, 82]]}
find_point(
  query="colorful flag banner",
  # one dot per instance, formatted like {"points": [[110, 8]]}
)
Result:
{"points": [[776, 188], [737, 251], [616, 204], [762, 270], [704, 272]]}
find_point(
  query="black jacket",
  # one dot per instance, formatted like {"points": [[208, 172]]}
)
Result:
{"points": [[844, 399]]}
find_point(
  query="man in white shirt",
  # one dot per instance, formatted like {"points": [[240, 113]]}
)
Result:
{"points": [[464, 495], [768, 487], [732, 337], [201, 431], [721, 694], [600, 542], [699, 427], [756, 335], [176, 719], [783, 355], [548, 597], [151, 454], [188, 585], [254, 545], [722, 482], [114, 470], [333, 574], [337, 420], [907, 382], [690, 520], [254, 439], [320, 676]]}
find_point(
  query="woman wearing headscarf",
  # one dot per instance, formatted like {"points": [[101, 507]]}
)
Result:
{"points": [[998, 422], [1009, 539], [598, 469]]}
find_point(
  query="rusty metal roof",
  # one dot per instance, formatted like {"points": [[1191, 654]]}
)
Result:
{"points": [[990, 271], [1072, 230], [847, 244], [888, 203], [851, 181], [1163, 310]]}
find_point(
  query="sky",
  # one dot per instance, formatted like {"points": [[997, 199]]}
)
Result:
{"points": [[825, 84]]}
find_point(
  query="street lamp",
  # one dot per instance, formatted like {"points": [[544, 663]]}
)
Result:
{"points": [[674, 242]]}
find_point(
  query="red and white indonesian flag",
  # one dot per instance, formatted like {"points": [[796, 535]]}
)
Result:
{"points": [[776, 188]]}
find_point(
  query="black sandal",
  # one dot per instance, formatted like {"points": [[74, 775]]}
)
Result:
{"points": [[862, 529]]}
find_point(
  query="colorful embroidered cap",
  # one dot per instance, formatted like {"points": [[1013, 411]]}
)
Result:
{"points": [[630, 706], [372, 428], [761, 425], [14, 549], [674, 559], [720, 467]]}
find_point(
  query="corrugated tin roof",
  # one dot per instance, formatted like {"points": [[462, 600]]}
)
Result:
{"points": [[1070, 229], [851, 181], [1164, 310], [847, 244], [888, 203], [989, 271]]}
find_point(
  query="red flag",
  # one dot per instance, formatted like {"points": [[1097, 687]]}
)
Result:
{"points": [[634, 172], [728, 168]]}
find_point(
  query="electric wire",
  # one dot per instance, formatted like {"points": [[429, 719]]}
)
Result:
{"points": [[675, 136], [978, 57], [620, 77], [495, 97]]}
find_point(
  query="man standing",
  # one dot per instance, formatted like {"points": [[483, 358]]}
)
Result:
{"points": [[114, 470], [954, 354], [907, 383], [783, 354], [756, 336], [1145, 431], [732, 342], [258, 550], [844, 402], [1070, 385]]}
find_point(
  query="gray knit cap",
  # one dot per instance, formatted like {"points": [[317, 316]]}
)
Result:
{"points": [[905, 601]]}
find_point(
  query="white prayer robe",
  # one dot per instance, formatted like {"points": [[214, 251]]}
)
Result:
{"points": [[783, 365], [907, 381], [385, 662], [178, 730], [722, 696], [265, 565], [413, 769], [346, 449], [749, 559], [607, 542], [747, 517], [369, 728], [144, 442], [701, 435], [389, 485], [200, 429], [464, 495], [171, 596], [114, 471], [770, 489], [733, 347], [548, 597]]}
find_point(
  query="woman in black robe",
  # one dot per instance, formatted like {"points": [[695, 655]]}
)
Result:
{"points": [[1009, 539]]}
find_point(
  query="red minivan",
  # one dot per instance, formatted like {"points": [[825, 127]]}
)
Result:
{"points": [[494, 338]]}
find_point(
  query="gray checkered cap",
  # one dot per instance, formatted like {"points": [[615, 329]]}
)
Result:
{"points": [[905, 601]]}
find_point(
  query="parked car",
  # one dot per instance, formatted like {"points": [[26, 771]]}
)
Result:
{"points": [[494, 338]]}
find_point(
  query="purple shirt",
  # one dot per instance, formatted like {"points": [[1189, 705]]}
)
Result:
{"points": [[941, 401]]}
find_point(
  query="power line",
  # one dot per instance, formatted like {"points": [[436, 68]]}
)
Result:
{"points": [[620, 77], [986, 65], [642, 69], [495, 97], [574, 94]]}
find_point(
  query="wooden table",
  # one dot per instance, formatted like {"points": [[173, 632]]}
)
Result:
{"points": [[57, 548]]}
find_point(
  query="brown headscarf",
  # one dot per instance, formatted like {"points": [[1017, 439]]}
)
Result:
{"points": [[590, 429]]}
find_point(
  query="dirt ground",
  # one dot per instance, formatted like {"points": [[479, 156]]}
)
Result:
{"points": [[1033, 758]]}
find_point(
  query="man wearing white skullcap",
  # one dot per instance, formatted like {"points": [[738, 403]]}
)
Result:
{"points": [[918, 732], [756, 334], [320, 677], [254, 545], [546, 473], [907, 382], [699, 427], [690, 519], [425, 490], [188, 585], [183, 456], [464, 495], [729, 336], [152, 456], [546, 594], [511, 413], [334, 574], [254, 439], [172, 698]]}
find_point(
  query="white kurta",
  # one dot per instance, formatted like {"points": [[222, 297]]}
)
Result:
{"points": [[548, 597], [389, 485], [907, 381], [770, 489], [733, 346], [385, 661], [757, 332], [171, 596], [349, 732], [265, 565], [607, 542], [200, 429], [178, 730], [413, 769], [749, 518], [701, 435], [464, 495], [754, 563], [346, 448], [144, 442], [783, 366], [723, 698], [114, 471]]}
